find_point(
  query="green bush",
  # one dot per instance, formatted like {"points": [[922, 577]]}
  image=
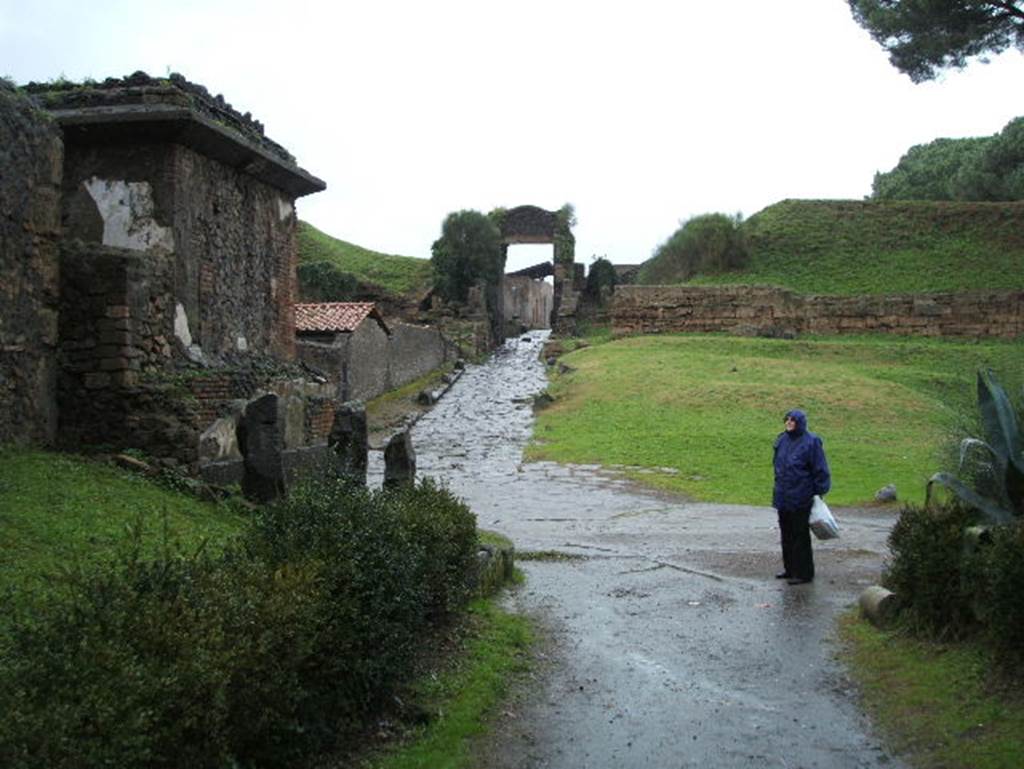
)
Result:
{"points": [[1000, 591], [926, 566], [279, 646], [326, 282], [706, 244]]}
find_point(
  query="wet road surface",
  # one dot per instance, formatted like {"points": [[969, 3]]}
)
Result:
{"points": [[672, 643]]}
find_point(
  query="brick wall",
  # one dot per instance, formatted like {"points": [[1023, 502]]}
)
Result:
{"points": [[762, 310]]}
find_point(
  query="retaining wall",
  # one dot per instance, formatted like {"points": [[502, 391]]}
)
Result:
{"points": [[774, 311]]}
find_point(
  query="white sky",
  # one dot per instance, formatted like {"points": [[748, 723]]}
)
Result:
{"points": [[639, 113]]}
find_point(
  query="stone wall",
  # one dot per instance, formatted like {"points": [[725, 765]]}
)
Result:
{"points": [[528, 302], [774, 311], [367, 362], [232, 236], [31, 153]]}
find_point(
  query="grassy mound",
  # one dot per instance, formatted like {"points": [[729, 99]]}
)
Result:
{"points": [[855, 247], [333, 270], [60, 510], [697, 414]]}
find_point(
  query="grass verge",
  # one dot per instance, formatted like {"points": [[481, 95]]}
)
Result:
{"points": [[464, 696], [697, 414], [60, 509], [935, 702]]}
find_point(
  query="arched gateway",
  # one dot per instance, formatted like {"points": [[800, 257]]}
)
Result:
{"points": [[530, 224]]}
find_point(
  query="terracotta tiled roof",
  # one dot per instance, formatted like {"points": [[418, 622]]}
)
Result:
{"points": [[335, 316]]}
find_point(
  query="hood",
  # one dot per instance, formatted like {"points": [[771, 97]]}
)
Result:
{"points": [[801, 421]]}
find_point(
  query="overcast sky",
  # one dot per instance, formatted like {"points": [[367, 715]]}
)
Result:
{"points": [[641, 113]]}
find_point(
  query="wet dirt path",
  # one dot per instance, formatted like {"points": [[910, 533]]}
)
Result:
{"points": [[672, 644]]}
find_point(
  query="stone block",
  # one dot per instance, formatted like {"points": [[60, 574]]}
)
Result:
{"points": [[399, 461], [349, 441]]}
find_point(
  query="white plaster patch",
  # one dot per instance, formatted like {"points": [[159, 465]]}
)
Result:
{"points": [[127, 211], [242, 344], [181, 329], [284, 209]]}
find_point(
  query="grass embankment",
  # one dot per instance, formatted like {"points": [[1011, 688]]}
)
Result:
{"points": [[359, 269], [708, 407], [58, 510], [464, 695], [854, 247], [935, 701]]}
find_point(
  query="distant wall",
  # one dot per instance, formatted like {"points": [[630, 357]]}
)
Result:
{"points": [[415, 351], [367, 362], [31, 153], [528, 301], [762, 310]]}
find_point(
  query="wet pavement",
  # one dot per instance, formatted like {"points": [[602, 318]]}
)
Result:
{"points": [[672, 645]]}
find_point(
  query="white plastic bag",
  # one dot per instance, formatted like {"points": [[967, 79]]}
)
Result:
{"points": [[823, 524]]}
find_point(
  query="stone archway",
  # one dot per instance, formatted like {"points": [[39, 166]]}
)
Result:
{"points": [[531, 224]]}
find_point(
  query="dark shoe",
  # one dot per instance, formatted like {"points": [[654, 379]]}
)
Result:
{"points": [[782, 575], [798, 581]]}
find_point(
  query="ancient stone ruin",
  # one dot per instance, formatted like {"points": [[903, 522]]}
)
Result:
{"points": [[530, 224], [148, 272]]}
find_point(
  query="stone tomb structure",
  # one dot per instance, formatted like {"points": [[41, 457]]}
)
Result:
{"points": [[530, 224], [152, 240], [362, 355]]}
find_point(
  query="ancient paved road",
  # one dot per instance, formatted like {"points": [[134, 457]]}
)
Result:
{"points": [[673, 646]]}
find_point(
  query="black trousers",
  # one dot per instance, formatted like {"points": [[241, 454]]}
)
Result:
{"points": [[797, 556]]}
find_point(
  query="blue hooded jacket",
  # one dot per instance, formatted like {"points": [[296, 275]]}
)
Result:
{"points": [[801, 470]]}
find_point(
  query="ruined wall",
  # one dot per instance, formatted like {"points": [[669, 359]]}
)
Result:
{"points": [[528, 301], [30, 167], [232, 236], [368, 362], [772, 311], [415, 351]]}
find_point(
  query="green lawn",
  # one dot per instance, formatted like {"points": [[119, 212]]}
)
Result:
{"points": [[856, 247], [707, 408], [59, 510], [398, 275], [935, 701]]}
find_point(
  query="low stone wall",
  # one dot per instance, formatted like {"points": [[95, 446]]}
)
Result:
{"points": [[31, 154], [415, 351], [367, 362], [776, 312]]}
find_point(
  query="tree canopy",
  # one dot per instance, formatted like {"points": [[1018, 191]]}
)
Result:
{"points": [[982, 168], [468, 251], [924, 37]]}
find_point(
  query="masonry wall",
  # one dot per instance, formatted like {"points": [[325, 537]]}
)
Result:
{"points": [[528, 301], [368, 362], [772, 311], [30, 171], [232, 237]]}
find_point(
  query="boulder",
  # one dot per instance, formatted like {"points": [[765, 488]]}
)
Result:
{"points": [[348, 439], [399, 461], [886, 493]]}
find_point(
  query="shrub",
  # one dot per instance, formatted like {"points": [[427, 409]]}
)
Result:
{"points": [[710, 243], [925, 569], [278, 647], [999, 589], [601, 279]]}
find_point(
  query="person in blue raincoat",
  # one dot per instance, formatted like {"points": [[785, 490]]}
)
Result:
{"points": [[801, 471]]}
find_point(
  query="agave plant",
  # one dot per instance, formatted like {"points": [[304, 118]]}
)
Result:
{"points": [[999, 455]]}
